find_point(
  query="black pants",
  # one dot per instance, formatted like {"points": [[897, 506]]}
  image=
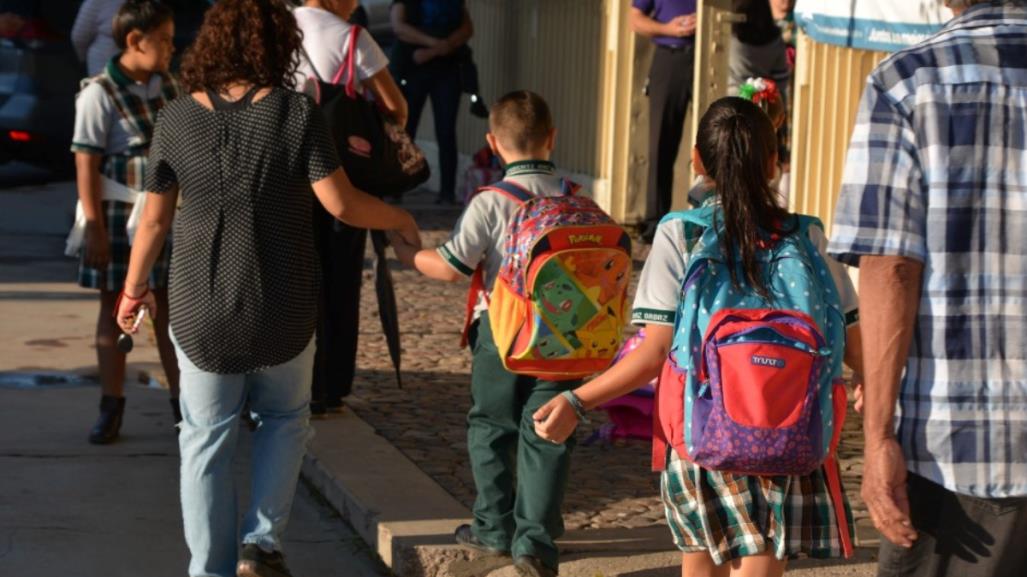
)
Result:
{"points": [[670, 94], [959, 536], [441, 81], [341, 248]]}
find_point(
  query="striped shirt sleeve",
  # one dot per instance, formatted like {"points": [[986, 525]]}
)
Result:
{"points": [[882, 209]]}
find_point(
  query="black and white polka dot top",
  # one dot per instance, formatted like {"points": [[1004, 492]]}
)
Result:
{"points": [[244, 272]]}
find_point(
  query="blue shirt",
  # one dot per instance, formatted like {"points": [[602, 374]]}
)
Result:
{"points": [[439, 18], [937, 172], [664, 11]]}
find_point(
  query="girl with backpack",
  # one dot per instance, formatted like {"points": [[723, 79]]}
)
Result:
{"points": [[328, 38], [728, 514]]}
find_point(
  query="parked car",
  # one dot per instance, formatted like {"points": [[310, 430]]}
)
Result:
{"points": [[39, 77]]}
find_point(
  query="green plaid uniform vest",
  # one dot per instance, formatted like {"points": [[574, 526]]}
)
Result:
{"points": [[129, 167]]}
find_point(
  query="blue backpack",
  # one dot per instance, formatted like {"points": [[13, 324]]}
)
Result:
{"points": [[753, 385]]}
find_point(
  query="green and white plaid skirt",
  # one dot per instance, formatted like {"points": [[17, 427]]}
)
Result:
{"points": [[115, 216], [731, 516]]}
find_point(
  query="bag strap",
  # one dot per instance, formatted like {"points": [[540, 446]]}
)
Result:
{"points": [[310, 61], [834, 482], [806, 221], [518, 194], [477, 288], [701, 217], [349, 64], [510, 190]]}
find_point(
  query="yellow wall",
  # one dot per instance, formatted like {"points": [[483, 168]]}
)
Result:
{"points": [[550, 46], [829, 82]]}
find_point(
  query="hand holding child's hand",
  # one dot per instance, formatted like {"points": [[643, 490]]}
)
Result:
{"points": [[556, 420], [404, 250], [410, 235]]}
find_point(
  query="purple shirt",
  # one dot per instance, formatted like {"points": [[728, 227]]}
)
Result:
{"points": [[665, 11]]}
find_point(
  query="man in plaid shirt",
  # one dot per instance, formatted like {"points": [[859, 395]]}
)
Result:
{"points": [[933, 209]]}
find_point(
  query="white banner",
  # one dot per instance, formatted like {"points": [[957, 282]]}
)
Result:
{"points": [[886, 25]]}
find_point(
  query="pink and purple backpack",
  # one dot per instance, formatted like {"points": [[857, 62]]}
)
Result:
{"points": [[631, 415], [752, 385]]}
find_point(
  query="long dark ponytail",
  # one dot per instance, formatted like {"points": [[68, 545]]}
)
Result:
{"points": [[737, 144]]}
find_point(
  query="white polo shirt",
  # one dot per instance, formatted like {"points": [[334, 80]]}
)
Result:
{"points": [[659, 287], [326, 39]]}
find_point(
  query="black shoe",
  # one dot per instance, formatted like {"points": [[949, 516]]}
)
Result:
{"points": [[318, 408], [466, 537], [255, 562], [176, 410], [108, 425], [531, 567]]}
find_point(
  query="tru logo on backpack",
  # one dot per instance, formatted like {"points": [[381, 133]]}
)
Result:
{"points": [[761, 361]]}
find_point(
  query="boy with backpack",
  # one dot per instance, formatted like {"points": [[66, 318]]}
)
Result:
{"points": [[747, 325], [115, 114], [526, 352]]}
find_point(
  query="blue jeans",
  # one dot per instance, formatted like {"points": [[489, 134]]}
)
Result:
{"points": [[279, 398]]}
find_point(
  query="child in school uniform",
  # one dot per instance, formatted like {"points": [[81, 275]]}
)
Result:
{"points": [[114, 118], [724, 523], [519, 518]]}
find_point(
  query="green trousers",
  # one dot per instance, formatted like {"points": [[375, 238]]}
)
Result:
{"points": [[518, 512]]}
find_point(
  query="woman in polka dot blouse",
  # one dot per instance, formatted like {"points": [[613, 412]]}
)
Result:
{"points": [[243, 152]]}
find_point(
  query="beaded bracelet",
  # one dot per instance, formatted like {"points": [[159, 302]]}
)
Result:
{"points": [[576, 404]]}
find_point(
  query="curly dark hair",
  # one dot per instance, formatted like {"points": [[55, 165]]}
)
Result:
{"points": [[243, 41]]}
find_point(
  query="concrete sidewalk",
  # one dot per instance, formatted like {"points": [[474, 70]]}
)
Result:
{"points": [[68, 508], [408, 518], [71, 509]]}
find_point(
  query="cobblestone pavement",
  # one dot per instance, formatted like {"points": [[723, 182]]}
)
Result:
{"points": [[611, 486]]}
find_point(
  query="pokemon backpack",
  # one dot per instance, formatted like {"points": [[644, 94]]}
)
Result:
{"points": [[559, 302], [753, 386]]}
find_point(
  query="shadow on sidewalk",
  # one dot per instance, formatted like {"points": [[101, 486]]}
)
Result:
{"points": [[613, 486]]}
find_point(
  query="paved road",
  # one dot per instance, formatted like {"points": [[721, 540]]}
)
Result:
{"points": [[19, 174], [68, 509]]}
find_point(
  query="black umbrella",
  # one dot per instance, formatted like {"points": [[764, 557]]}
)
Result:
{"points": [[386, 291]]}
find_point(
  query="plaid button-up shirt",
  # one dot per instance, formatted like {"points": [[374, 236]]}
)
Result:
{"points": [[937, 172]]}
